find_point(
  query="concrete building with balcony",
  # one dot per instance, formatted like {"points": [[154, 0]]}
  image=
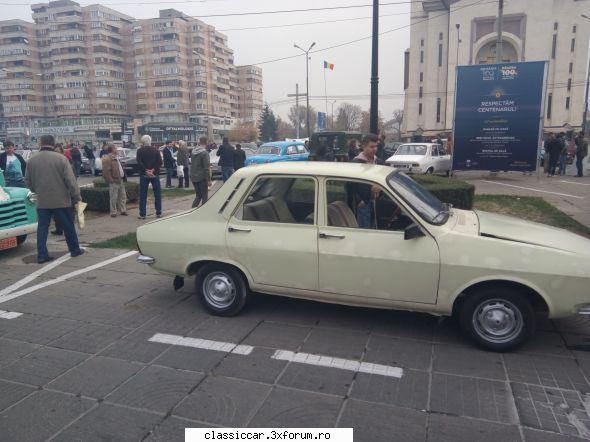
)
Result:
{"points": [[89, 70], [250, 100], [448, 33]]}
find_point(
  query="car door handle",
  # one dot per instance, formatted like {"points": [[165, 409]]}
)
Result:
{"points": [[233, 229], [328, 235]]}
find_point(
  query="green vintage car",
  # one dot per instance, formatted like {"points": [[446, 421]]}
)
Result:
{"points": [[18, 214]]}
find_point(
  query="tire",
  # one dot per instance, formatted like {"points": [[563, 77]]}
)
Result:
{"points": [[221, 289], [20, 239], [448, 173], [510, 318], [430, 170]]}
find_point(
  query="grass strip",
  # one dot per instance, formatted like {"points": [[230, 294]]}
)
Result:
{"points": [[126, 241]]}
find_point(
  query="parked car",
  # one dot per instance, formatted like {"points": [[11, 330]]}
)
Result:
{"points": [[18, 214], [291, 229], [279, 151], [421, 158], [214, 159], [391, 148]]}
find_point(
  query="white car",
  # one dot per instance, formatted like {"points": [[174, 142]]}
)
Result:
{"points": [[421, 158]]}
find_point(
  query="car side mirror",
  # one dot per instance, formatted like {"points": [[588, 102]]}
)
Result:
{"points": [[413, 231]]}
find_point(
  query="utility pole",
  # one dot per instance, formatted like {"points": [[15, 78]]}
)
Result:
{"points": [[375, 70], [297, 95], [307, 81], [499, 57], [332, 103]]}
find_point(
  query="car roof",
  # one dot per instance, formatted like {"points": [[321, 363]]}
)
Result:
{"points": [[319, 168], [420, 144], [282, 143]]}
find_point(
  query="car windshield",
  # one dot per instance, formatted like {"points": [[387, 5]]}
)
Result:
{"points": [[429, 207], [411, 149], [268, 150]]}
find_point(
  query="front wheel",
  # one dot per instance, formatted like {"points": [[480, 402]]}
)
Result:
{"points": [[20, 239], [430, 170], [221, 289], [498, 319]]}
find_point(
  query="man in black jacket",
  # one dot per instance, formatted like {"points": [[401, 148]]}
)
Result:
{"points": [[239, 157], [169, 163], [13, 165], [226, 159], [554, 148], [149, 161]]}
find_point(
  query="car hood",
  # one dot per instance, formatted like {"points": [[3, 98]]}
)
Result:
{"points": [[528, 232], [405, 158]]}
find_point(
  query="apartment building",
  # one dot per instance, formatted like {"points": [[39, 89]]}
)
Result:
{"points": [[89, 70], [250, 93], [448, 33]]}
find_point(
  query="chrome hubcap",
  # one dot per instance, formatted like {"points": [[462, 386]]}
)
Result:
{"points": [[219, 289], [497, 320]]}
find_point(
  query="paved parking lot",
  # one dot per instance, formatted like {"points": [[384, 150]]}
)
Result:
{"points": [[104, 349]]}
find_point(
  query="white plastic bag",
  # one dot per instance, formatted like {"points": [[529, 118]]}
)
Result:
{"points": [[180, 171]]}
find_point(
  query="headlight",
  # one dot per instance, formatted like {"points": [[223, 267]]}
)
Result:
{"points": [[32, 197], [415, 165]]}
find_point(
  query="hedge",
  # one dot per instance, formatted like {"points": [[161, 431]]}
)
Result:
{"points": [[449, 190], [98, 199]]}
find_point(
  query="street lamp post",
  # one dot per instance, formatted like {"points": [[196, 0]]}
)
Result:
{"points": [[306, 82], [332, 102], [458, 26], [585, 113]]}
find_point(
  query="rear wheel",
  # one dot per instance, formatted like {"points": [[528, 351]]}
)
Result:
{"points": [[498, 318], [21, 239], [221, 289]]}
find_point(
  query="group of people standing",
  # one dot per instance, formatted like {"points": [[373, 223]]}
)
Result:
{"points": [[557, 153]]}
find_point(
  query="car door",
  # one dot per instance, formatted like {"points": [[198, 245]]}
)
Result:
{"points": [[444, 158], [273, 233], [373, 262]]}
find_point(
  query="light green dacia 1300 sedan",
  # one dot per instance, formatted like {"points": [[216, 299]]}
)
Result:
{"points": [[370, 236]]}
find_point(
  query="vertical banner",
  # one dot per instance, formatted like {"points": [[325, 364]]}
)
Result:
{"points": [[498, 116], [321, 121]]}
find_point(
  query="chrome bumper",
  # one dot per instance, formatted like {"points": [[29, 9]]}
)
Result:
{"points": [[144, 259]]}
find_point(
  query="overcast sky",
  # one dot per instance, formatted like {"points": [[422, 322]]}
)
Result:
{"points": [[352, 71]]}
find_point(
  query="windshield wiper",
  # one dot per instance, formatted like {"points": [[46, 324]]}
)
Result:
{"points": [[445, 211]]}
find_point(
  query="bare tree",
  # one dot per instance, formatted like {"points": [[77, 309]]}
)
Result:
{"points": [[398, 118], [349, 117], [365, 125], [302, 111]]}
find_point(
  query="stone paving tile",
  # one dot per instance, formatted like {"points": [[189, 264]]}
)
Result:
{"points": [[468, 361], [398, 352], [579, 324], [375, 422], [547, 371], [317, 379], [136, 347], [411, 391], [41, 366], [560, 411], [90, 338], [96, 377], [156, 388], [193, 359], [11, 350], [453, 428], [11, 393], [278, 336], [545, 436], [177, 321], [297, 409], [225, 329], [223, 401], [347, 318], [447, 331], [336, 343], [546, 343], [40, 416], [578, 343], [172, 429], [8, 326], [408, 325], [110, 423], [473, 397], [45, 330], [258, 366], [295, 312]]}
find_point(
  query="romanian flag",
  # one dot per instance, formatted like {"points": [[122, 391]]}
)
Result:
{"points": [[328, 65]]}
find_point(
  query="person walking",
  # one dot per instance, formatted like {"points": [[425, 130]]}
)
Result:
{"points": [[89, 154], [103, 150], [553, 148], [200, 172], [76, 156], [50, 176], [149, 161], [226, 159], [365, 194], [581, 153], [13, 165], [113, 174], [182, 158], [169, 163], [239, 157]]}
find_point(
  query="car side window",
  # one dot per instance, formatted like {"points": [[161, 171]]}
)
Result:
{"points": [[280, 200], [434, 151], [291, 150], [301, 149], [356, 204]]}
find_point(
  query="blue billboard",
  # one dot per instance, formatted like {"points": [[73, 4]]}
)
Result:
{"points": [[321, 121], [498, 116]]}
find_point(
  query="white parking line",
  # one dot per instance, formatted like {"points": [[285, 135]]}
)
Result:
{"points": [[205, 344], [9, 315], [339, 363], [34, 275], [571, 182], [65, 277], [282, 355], [534, 190]]}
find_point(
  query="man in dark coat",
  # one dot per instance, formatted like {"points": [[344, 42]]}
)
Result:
{"points": [[554, 147], [581, 153], [226, 159], [169, 163], [239, 157]]}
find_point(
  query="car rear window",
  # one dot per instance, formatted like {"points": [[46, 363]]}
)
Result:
{"points": [[411, 149]]}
